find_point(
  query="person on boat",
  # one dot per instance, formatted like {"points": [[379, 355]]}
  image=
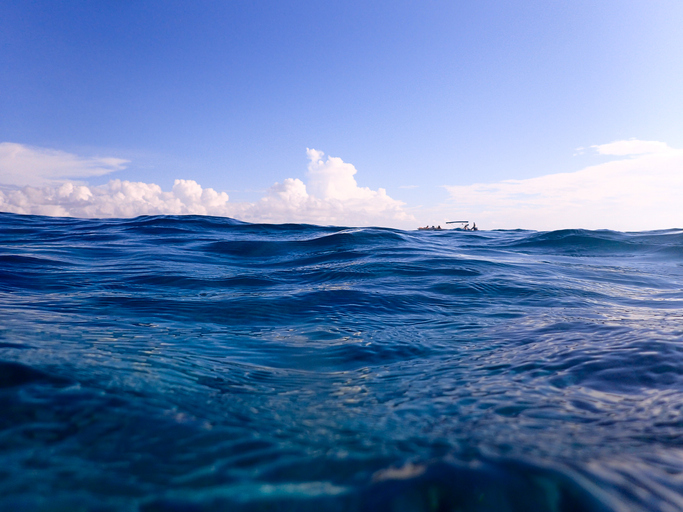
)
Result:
{"points": [[438, 227], [467, 227], [474, 227]]}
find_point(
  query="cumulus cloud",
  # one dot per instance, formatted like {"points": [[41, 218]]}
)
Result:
{"points": [[642, 190], [26, 165], [333, 179], [115, 199], [332, 196]]}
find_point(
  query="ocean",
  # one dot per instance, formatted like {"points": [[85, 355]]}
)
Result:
{"points": [[204, 364]]}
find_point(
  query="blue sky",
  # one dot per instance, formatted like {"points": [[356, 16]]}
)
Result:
{"points": [[416, 95]]}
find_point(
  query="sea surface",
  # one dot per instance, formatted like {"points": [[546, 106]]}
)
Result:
{"points": [[204, 364]]}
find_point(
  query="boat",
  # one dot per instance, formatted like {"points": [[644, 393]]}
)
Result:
{"points": [[433, 228], [466, 226]]}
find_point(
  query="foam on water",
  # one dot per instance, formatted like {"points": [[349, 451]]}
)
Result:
{"points": [[197, 363]]}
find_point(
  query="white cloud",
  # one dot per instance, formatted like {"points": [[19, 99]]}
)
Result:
{"points": [[334, 196], [26, 165], [333, 179], [632, 147], [642, 191], [115, 199]]}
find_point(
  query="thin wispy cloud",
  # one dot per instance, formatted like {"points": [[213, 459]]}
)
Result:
{"points": [[633, 147], [27, 165], [640, 190], [330, 196]]}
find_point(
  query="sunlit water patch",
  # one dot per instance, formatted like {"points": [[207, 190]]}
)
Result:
{"points": [[203, 364]]}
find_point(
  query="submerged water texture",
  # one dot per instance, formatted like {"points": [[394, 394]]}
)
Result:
{"points": [[202, 364]]}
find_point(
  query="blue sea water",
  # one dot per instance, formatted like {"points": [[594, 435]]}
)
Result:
{"points": [[204, 364]]}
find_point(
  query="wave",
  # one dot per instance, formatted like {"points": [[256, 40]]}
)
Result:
{"points": [[199, 363]]}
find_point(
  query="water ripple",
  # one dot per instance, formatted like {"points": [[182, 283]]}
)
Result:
{"points": [[197, 363]]}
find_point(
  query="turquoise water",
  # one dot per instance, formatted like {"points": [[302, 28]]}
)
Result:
{"points": [[203, 364]]}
